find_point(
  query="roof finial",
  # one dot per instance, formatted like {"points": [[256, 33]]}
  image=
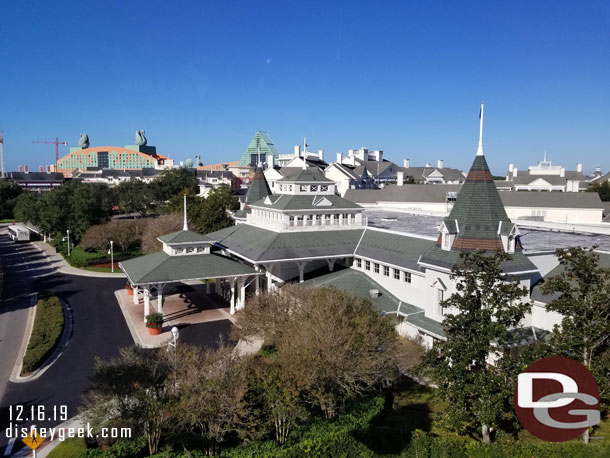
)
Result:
{"points": [[185, 227], [480, 148]]}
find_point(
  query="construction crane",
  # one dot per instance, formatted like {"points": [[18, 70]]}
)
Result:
{"points": [[56, 143], [1, 154]]}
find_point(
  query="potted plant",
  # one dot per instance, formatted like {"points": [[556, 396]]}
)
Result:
{"points": [[154, 323], [129, 289]]}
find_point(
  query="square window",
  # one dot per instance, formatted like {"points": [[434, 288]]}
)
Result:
{"points": [[323, 188], [359, 263], [376, 268], [396, 274], [314, 188], [407, 277], [386, 271], [367, 265]]}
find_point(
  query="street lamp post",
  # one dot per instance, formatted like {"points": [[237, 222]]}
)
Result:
{"points": [[67, 238], [111, 257]]}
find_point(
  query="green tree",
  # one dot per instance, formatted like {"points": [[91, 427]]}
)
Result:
{"points": [[172, 182], [133, 196], [28, 207], [329, 372], [8, 198], [582, 296], [212, 386], [134, 390], [487, 305], [603, 189]]}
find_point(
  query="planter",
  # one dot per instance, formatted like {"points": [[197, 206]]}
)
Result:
{"points": [[155, 331], [130, 292]]}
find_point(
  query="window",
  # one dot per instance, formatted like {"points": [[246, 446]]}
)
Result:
{"points": [[314, 188], [303, 188], [324, 188], [300, 220], [376, 268], [359, 263], [407, 277], [386, 271], [396, 274], [367, 265], [439, 302]]}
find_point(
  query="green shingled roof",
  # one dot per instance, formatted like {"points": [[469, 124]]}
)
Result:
{"points": [[259, 244], [184, 237], [478, 219], [306, 176], [397, 249], [305, 202], [160, 267], [478, 208], [258, 188], [354, 282]]}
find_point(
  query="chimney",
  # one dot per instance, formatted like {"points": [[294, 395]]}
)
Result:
{"points": [[510, 168], [562, 172], [21, 168], [405, 163], [439, 164], [270, 160], [428, 165], [579, 167], [41, 169], [321, 154], [339, 158], [297, 150], [400, 178], [515, 170], [48, 169], [26, 168]]}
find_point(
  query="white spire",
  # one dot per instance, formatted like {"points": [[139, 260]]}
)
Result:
{"points": [[185, 227], [480, 148], [304, 155]]}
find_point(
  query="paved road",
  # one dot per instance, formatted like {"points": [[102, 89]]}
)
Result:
{"points": [[99, 330]]}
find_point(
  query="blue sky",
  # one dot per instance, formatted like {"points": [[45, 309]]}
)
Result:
{"points": [[406, 77]]}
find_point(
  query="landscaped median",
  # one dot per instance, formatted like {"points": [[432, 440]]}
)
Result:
{"points": [[46, 334]]}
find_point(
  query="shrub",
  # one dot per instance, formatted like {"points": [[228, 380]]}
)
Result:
{"points": [[46, 333], [70, 448]]}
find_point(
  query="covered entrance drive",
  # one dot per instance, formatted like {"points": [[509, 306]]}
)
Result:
{"points": [[187, 257]]}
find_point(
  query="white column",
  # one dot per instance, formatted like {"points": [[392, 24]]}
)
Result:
{"points": [[257, 285], [242, 293], [135, 295], [207, 286], [269, 281], [217, 286], [146, 302], [160, 298], [301, 266], [232, 310]]}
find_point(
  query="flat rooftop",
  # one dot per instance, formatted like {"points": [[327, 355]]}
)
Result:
{"points": [[532, 240]]}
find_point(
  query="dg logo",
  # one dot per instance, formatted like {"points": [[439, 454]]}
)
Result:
{"points": [[557, 399]]}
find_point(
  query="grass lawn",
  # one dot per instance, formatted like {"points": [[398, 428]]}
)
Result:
{"points": [[70, 448], [46, 332], [9, 220]]}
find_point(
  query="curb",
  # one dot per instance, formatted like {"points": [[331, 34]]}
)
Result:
{"points": [[131, 325], [67, 269], [63, 343]]}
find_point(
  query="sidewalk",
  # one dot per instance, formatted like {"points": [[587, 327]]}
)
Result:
{"points": [[189, 304], [57, 261]]}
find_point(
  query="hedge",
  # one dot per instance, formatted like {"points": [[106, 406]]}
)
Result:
{"points": [[69, 448], [46, 332]]}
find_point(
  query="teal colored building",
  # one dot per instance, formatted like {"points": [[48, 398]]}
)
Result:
{"points": [[259, 148]]}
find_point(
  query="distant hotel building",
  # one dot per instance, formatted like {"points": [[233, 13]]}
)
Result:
{"points": [[542, 177], [131, 157]]}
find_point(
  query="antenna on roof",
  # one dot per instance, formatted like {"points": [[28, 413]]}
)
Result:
{"points": [[480, 149], [185, 227]]}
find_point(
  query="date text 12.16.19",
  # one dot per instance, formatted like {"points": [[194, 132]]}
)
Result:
{"points": [[38, 413]]}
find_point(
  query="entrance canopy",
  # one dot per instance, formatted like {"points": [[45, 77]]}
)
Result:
{"points": [[163, 268]]}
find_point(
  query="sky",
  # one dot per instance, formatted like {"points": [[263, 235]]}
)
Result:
{"points": [[406, 77]]}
